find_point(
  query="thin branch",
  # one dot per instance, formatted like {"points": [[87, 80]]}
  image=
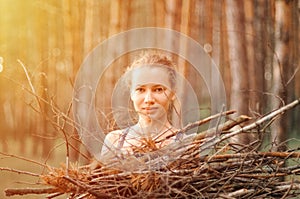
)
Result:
{"points": [[23, 158], [293, 76], [26, 191], [87, 188], [19, 171], [257, 123], [200, 122], [30, 83]]}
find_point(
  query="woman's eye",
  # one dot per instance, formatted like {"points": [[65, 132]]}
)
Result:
{"points": [[159, 89], [139, 90]]}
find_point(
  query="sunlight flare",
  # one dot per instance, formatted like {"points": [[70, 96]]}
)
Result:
{"points": [[1, 64]]}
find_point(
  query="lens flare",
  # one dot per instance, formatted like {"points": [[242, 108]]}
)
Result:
{"points": [[1, 66]]}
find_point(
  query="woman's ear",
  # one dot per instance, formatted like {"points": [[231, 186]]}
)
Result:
{"points": [[173, 96], [131, 95]]}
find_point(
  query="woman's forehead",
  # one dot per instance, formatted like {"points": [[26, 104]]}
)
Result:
{"points": [[151, 85], [150, 76]]}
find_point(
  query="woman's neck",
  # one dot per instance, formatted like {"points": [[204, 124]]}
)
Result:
{"points": [[150, 127]]}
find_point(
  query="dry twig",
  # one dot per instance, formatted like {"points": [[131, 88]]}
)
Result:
{"points": [[180, 171]]}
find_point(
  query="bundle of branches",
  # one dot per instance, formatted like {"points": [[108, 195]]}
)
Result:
{"points": [[202, 165]]}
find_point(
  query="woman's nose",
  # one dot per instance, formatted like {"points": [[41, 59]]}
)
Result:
{"points": [[148, 97]]}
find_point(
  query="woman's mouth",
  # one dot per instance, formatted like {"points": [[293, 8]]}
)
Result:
{"points": [[149, 109]]}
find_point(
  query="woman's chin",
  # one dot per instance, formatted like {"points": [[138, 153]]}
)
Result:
{"points": [[154, 117]]}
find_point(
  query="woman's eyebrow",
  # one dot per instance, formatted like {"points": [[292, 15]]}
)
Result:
{"points": [[158, 85], [154, 85], [140, 85]]}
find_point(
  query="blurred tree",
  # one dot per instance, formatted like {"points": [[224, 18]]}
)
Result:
{"points": [[237, 56], [283, 69], [255, 42], [41, 138], [239, 97], [71, 54]]}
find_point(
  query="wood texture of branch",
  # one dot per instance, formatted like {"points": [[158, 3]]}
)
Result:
{"points": [[26, 191], [19, 171]]}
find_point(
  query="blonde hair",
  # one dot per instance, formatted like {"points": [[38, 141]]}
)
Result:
{"points": [[155, 59]]}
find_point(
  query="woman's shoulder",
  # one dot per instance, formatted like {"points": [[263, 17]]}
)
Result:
{"points": [[114, 133], [111, 139]]}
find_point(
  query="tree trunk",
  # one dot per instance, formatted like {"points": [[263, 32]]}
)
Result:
{"points": [[72, 52], [238, 62], [237, 56], [255, 68], [282, 70]]}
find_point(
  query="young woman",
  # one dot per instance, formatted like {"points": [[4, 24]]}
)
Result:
{"points": [[152, 80]]}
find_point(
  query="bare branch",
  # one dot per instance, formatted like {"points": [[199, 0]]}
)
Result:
{"points": [[26, 191]]}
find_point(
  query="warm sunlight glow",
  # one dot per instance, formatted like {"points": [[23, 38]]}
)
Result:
{"points": [[1, 66]]}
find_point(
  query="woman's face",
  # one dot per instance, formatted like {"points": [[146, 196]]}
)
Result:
{"points": [[150, 92]]}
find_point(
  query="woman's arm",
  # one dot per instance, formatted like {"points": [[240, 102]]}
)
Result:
{"points": [[110, 143]]}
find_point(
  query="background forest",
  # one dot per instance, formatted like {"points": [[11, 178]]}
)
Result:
{"points": [[255, 44]]}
